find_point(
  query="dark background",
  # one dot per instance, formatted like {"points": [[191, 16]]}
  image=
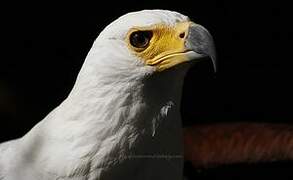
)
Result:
{"points": [[44, 46]]}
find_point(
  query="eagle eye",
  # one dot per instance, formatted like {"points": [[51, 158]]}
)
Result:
{"points": [[140, 39]]}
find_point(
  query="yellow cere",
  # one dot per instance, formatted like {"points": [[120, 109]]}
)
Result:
{"points": [[166, 47]]}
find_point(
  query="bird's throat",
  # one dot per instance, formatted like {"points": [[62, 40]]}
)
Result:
{"points": [[115, 124]]}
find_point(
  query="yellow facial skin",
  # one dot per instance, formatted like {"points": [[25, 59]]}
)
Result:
{"points": [[166, 47]]}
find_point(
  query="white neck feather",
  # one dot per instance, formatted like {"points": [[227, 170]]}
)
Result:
{"points": [[110, 117]]}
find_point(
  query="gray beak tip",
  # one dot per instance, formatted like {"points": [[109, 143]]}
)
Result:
{"points": [[200, 40]]}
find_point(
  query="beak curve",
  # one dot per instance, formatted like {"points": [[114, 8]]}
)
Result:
{"points": [[200, 41]]}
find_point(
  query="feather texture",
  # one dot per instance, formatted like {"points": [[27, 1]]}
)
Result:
{"points": [[119, 121]]}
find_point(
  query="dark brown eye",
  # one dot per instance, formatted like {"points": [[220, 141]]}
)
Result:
{"points": [[140, 39]]}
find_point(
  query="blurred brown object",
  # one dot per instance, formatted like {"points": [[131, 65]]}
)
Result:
{"points": [[227, 143]]}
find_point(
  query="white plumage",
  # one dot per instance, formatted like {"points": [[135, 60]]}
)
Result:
{"points": [[120, 121]]}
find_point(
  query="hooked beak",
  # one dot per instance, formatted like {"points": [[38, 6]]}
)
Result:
{"points": [[200, 41]]}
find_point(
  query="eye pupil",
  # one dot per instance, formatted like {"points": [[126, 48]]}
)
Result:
{"points": [[140, 39]]}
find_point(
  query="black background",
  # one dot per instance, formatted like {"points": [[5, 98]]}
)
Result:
{"points": [[44, 46]]}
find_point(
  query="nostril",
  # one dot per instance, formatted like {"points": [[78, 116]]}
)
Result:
{"points": [[182, 35]]}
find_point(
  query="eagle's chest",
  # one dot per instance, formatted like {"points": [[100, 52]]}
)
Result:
{"points": [[156, 153], [157, 156]]}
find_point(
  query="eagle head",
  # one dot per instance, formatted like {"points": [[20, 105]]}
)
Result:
{"points": [[150, 41]]}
